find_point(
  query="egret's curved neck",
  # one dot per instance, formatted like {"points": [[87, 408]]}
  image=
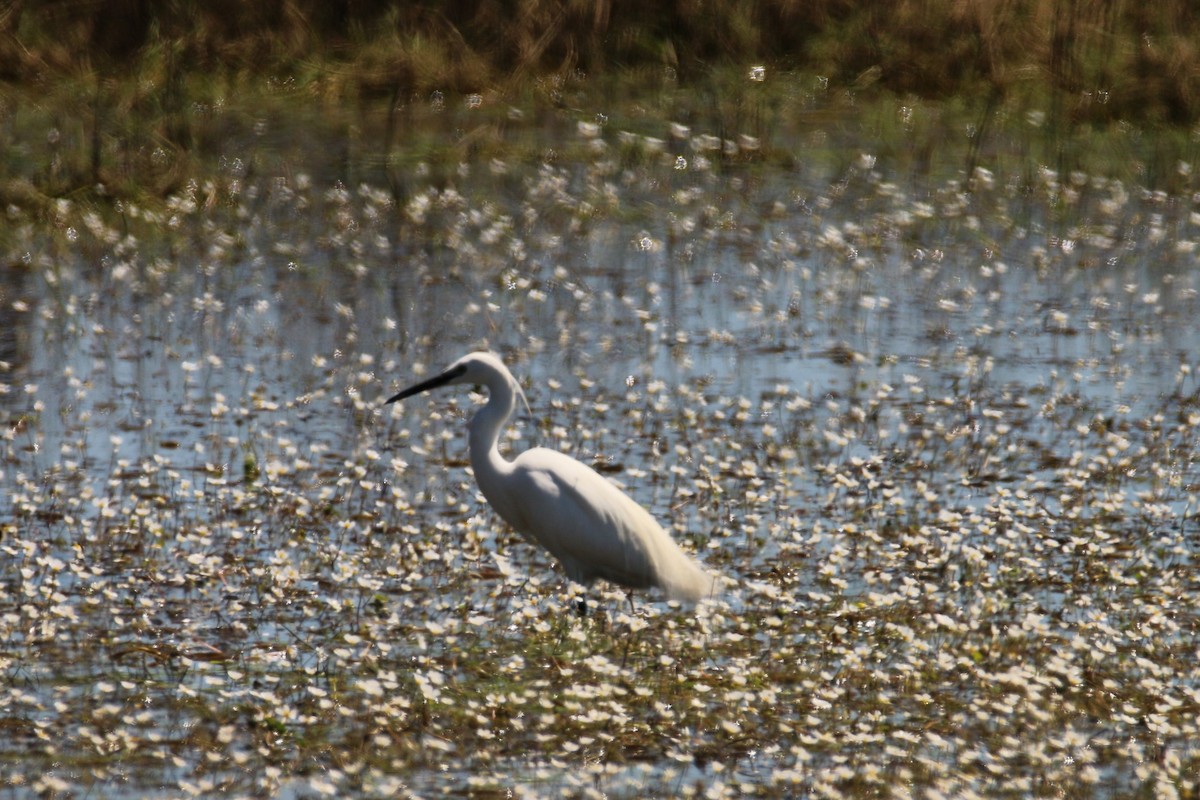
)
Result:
{"points": [[485, 430]]}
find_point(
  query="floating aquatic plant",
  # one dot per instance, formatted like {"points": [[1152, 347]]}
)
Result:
{"points": [[941, 435]]}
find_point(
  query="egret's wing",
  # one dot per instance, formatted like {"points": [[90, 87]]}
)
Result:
{"points": [[585, 521], [595, 529]]}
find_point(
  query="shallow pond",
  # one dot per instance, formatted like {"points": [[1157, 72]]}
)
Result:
{"points": [[939, 436]]}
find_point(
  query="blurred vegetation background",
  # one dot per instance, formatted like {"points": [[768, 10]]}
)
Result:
{"points": [[1109, 58], [125, 94]]}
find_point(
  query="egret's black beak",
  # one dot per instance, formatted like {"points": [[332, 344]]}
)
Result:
{"points": [[432, 383]]}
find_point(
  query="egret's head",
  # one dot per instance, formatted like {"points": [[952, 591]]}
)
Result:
{"points": [[483, 369]]}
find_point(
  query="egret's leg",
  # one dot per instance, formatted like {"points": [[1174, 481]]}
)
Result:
{"points": [[629, 597]]}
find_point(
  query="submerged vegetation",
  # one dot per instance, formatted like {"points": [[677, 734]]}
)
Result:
{"points": [[911, 360]]}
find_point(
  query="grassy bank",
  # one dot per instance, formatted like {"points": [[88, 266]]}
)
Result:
{"points": [[135, 98], [1104, 61]]}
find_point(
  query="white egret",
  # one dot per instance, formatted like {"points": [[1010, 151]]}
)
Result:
{"points": [[593, 528]]}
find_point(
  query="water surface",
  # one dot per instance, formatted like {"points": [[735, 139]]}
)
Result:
{"points": [[937, 433]]}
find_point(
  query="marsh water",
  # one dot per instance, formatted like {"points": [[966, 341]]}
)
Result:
{"points": [[936, 430]]}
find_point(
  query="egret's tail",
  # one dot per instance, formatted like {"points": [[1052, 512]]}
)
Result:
{"points": [[686, 581]]}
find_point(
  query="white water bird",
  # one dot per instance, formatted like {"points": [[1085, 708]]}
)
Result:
{"points": [[593, 528]]}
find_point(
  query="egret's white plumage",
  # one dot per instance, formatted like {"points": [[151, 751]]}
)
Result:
{"points": [[593, 528]]}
